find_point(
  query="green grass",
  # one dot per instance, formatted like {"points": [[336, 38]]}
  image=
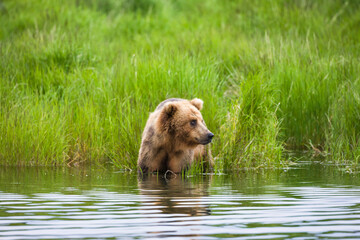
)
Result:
{"points": [[79, 78]]}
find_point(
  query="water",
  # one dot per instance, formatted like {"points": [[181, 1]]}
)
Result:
{"points": [[306, 202]]}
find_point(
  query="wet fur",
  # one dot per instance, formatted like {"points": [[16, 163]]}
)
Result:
{"points": [[169, 142]]}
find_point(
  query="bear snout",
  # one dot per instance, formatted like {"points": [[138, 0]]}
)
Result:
{"points": [[210, 136], [207, 138]]}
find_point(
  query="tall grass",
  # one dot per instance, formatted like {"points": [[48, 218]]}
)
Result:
{"points": [[79, 78]]}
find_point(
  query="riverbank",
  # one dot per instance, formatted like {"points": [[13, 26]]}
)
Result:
{"points": [[79, 78]]}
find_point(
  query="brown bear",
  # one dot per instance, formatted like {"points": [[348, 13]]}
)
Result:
{"points": [[174, 136]]}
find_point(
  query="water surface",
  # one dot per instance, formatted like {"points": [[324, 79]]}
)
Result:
{"points": [[310, 201]]}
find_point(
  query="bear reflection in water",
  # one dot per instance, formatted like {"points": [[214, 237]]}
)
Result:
{"points": [[176, 195]]}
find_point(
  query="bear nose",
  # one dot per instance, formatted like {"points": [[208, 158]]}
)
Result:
{"points": [[210, 136]]}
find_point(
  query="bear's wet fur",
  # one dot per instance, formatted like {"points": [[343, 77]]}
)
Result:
{"points": [[175, 135]]}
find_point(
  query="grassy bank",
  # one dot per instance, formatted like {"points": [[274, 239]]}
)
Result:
{"points": [[79, 78]]}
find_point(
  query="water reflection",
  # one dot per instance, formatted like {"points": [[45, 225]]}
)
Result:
{"points": [[306, 202], [176, 194]]}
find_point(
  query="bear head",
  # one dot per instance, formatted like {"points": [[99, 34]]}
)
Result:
{"points": [[183, 122]]}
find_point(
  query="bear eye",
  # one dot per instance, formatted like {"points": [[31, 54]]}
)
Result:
{"points": [[193, 123]]}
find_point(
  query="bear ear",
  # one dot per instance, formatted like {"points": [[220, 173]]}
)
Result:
{"points": [[170, 109], [198, 103]]}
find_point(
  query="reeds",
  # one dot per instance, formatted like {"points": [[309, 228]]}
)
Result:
{"points": [[79, 78]]}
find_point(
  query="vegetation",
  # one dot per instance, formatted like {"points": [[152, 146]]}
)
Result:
{"points": [[79, 78]]}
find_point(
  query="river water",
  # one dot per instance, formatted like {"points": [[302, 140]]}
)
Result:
{"points": [[309, 201]]}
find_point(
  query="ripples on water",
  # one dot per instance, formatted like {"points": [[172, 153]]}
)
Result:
{"points": [[304, 203]]}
